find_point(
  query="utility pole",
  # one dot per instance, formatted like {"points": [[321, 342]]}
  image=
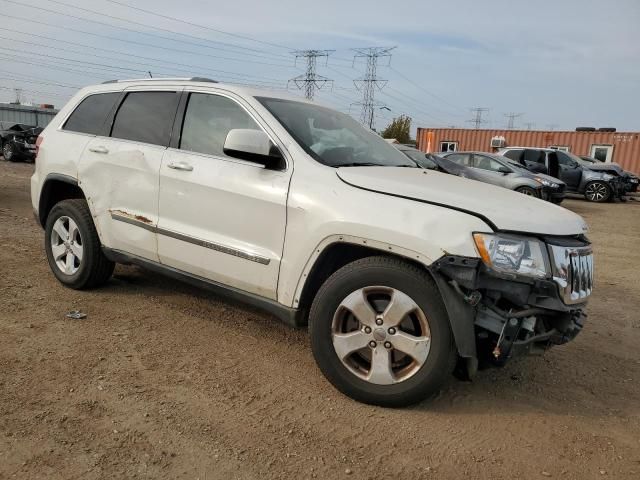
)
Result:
{"points": [[477, 119], [529, 125], [512, 119], [310, 81], [370, 81]]}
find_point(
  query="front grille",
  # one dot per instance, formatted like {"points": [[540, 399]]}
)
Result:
{"points": [[573, 272]]}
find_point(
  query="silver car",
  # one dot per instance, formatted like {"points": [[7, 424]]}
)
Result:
{"points": [[496, 170]]}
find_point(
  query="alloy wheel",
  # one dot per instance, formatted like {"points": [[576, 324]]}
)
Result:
{"points": [[596, 191], [66, 245], [7, 151], [381, 335]]}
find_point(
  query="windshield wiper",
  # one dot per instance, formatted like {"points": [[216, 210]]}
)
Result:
{"points": [[360, 164]]}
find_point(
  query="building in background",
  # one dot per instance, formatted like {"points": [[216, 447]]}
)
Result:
{"points": [[38, 116], [608, 146]]}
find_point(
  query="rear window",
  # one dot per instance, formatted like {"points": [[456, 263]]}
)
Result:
{"points": [[146, 117], [89, 116]]}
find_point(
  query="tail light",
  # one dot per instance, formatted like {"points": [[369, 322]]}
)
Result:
{"points": [[38, 142]]}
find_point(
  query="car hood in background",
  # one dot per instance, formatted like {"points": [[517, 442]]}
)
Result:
{"points": [[506, 209]]}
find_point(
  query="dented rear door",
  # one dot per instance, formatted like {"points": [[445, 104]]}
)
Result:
{"points": [[120, 173]]}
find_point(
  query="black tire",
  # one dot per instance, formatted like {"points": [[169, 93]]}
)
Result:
{"points": [[557, 201], [8, 152], [527, 191], [597, 191], [420, 287], [94, 269]]}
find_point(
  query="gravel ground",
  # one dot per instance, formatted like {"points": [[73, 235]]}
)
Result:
{"points": [[163, 380]]}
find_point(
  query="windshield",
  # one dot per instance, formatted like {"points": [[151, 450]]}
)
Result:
{"points": [[333, 138], [574, 157], [420, 158]]}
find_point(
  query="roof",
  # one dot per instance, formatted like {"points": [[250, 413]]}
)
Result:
{"points": [[199, 82]]}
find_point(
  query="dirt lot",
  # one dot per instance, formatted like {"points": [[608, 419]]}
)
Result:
{"points": [[167, 381]]}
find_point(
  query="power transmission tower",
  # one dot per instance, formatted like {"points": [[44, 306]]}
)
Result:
{"points": [[529, 125], [477, 119], [18, 92], [310, 81], [370, 81], [512, 119], [552, 126]]}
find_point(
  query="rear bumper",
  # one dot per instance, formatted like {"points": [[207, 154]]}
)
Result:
{"points": [[24, 150]]}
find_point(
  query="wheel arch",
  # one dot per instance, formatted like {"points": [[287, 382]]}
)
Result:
{"points": [[56, 187], [346, 249]]}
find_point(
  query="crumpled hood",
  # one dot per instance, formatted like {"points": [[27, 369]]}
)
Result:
{"points": [[604, 167], [506, 209]]}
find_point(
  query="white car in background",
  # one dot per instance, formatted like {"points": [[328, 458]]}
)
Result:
{"points": [[399, 272]]}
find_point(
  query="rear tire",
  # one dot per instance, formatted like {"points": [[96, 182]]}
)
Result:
{"points": [[597, 191], [73, 247], [413, 319]]}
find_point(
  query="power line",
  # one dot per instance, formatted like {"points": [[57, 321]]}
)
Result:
{"points": [[512, 119], [421, 88], [244, 37], [370, 82], [477, 119], [193, 68], [257, 53], [310, 81], [66, 28]]}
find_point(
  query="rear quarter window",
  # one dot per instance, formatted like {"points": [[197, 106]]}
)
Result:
{"points": [[90, 115]]}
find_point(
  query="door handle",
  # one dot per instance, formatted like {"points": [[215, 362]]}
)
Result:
{"points": [[181, 166], [99, 149]]}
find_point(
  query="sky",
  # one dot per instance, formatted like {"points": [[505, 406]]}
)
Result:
{"points": [[556, 64]]}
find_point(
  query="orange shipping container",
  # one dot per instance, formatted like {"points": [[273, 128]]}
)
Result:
{"points": [[620, 147]]}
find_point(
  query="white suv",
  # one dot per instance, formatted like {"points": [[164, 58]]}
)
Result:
{"points": [[401, 273]]}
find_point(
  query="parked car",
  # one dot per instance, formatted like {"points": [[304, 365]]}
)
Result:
{"points": [[595, 186], [629, 180], [17, 141], [493, 169], [503, 172], [399, 272]]}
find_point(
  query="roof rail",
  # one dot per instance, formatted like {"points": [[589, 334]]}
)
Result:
{"points": [[161, 79]]}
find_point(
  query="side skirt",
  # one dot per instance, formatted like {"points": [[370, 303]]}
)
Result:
{"points": [[293, 317]]}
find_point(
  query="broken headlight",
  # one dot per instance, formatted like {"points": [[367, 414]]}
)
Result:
{"points": [[512, 254]]}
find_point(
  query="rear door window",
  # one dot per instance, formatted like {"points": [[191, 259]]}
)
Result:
{"points": [[207, 121], [90, 115], [146, 117], [460, 159], [486, 163], [535, 156]]}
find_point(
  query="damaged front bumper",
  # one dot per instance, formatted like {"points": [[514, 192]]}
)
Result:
{"points": [[495, 317]]}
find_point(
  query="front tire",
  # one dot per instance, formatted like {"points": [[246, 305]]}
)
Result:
{"points": [[530, 192], [8, 152], [73, 246], [598, 192], [380, 333]]}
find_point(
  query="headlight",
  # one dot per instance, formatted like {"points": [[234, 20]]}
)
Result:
{"points": [[546, 183], [512, 254]]}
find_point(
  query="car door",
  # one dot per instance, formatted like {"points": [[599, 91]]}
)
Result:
{"points": [[221, 218], [535, 161], [120, 172], [487, 170], [465, 161], [570, 170]]}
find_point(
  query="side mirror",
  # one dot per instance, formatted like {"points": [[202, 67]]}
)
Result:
{"points": [[252, 145], [504, 170]]}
